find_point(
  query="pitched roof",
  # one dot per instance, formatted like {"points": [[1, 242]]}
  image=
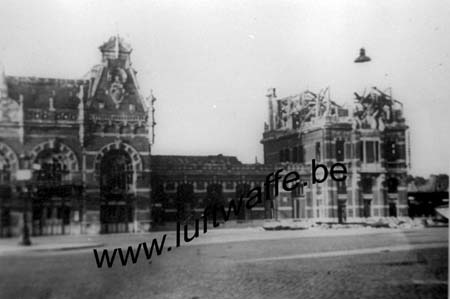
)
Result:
{"points": [[166, 161], [37, 91]]}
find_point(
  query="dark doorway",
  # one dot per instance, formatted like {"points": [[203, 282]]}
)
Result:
{"points": [[116, 179], [342, 215], [366, 211], [51, 204], [115, 218], [392, 209], [5, 228], [242, 190]]}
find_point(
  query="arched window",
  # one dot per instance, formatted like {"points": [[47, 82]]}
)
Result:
{"points": [[52, 167], [116, 172]]}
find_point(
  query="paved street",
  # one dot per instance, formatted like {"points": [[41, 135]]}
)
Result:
{"points": [[244, 263]]}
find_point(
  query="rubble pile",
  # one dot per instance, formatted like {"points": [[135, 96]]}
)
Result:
{"points": [[373, 222], [395, 222], [289, 224]]}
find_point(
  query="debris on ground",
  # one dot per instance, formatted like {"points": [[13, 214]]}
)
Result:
{"points": [[371, 222]]}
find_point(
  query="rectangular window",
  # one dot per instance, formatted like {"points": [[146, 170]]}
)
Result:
{"points": [[391, 151], [318, 154], [370, 152], [342, 188], [377, 153], [366, 185], [295, 154], [287, 155], [4, 177], [348, 151], [297, 192], [361, 151], [295, 121], [301, 154], [340, 145]]}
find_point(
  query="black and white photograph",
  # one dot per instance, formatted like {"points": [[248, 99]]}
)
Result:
{"points": [[208, 149]]}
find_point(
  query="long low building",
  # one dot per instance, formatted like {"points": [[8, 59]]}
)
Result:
{"points": [[183, 186]]}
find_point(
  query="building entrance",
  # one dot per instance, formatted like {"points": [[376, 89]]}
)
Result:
{"points": [[116, 185], [342, 215], [392, 209]]}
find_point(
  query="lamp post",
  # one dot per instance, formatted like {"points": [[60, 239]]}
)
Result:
{"points": [[25, 175]]}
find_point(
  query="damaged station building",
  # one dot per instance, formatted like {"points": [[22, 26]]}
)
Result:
{"points": [[75, 157], [370, 138]]}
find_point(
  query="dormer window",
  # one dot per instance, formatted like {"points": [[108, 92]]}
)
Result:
{"points": [[101, 105], [132, 108]]}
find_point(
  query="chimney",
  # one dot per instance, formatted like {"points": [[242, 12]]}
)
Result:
{"points": [[271, 96]]}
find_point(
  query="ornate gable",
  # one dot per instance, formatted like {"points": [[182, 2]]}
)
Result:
{"points": [[115, 105], [114, 87]]}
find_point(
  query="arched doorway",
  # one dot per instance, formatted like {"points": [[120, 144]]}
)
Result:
{"points": [[116, 188], [52, 204]]}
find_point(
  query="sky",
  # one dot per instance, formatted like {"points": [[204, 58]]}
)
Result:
{"points": [[210, 63]]}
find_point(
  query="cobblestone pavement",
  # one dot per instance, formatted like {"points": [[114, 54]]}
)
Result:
{"points": [[245, 269]]}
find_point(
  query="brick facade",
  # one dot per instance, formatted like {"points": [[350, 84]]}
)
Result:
{"points": [[370, 141], [88, 144]]}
